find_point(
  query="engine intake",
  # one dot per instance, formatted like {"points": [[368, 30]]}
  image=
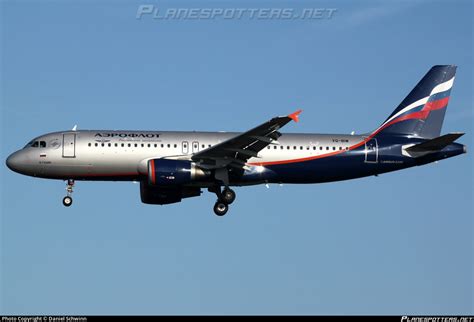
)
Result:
{"points": [[165, 172]]}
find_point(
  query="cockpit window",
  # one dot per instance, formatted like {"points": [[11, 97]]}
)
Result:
{"points": [[36, 144]]}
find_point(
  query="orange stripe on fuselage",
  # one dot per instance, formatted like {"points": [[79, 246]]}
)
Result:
{"points": [[355, 146]]}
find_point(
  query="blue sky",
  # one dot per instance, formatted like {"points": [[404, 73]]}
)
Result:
{"points": [[400, 243]]}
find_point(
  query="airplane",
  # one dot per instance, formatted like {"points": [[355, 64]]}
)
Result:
{"points": [[172, 166]]}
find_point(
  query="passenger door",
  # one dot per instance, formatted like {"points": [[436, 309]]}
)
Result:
{"points": [[69, 145], [371, 151]]}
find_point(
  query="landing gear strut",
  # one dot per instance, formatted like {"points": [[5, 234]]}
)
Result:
{"points": [[224, 199], [67, 201]]}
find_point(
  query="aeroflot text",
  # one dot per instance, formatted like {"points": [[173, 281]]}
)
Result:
{"points": [[127, 135]]}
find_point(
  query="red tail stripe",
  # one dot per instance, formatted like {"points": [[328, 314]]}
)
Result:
{"points": [[436, 105]]}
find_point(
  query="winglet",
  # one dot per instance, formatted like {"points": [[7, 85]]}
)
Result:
{"points": [[295, 116]]}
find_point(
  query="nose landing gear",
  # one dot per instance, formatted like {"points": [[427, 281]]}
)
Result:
{"points": [[67, 201]]}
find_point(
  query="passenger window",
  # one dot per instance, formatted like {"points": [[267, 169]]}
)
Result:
{"points": [[110, 144], [123, 145], [340, 148], [102, 144], [314, 148], [333, 148], [89, 144], [327, 148], [149, 145], [162, 145], [116, 144], [136, 145], [169, 145], [268, 147], [301, 148], [96, 144], [275, 147], [209, 145], [175, 145], [129, 145], [294, 147], [320, 148], [143, 145], [156, 145], [203, 146], [287, 147]]}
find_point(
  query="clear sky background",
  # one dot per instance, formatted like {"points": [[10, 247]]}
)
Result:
{"points": [[394, 244]]}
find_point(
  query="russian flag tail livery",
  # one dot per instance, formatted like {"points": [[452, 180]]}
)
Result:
{"points": [[421, 113]]}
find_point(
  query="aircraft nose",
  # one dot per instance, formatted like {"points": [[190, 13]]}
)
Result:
{"points": [[13, 161]]}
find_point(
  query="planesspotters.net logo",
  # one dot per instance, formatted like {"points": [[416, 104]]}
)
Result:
{"points": [[150, 11]]}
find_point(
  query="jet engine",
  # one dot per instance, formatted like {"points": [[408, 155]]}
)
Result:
{"points": [[166, 195], [165, 172]]}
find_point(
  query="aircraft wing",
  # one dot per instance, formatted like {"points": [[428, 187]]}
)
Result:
{"points": [[236, 151]]}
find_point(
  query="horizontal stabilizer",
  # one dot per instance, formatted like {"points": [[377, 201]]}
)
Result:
{"points": [[435, 144]]}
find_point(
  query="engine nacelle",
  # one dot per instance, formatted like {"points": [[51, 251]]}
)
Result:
{"points": [[165, 172], [166, 195]]}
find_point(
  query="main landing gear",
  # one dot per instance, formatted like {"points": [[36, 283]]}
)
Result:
{"points": [[220, 208], [67, 201], [224, 199]]}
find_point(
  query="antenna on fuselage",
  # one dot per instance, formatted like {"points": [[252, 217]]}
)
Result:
{"points": [[353, 132], [74, 128]]}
